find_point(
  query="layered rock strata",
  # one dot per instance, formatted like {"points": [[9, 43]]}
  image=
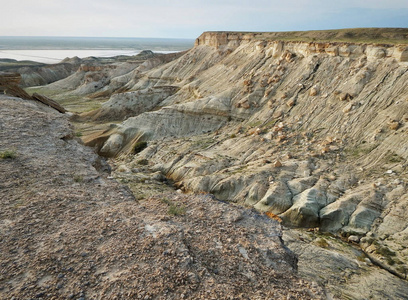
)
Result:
{"points": [[315, 133]]}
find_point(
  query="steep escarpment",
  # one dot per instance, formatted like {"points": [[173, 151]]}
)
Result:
{"points": [[389, 36], [314, 132]]}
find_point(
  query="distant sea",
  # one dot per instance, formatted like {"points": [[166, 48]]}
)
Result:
{"points": [[55, 49]]}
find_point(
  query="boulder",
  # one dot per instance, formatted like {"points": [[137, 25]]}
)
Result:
{"points": [[277, 199], [49, 102], [337, 214], [112, 146], [305, 210]]}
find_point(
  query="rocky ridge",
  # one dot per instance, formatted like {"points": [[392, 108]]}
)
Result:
{"points": [[35, 74]]}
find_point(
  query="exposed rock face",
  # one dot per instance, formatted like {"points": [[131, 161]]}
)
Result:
{"points": [[123, 105], [70, 231], [9, 84], [314, 134], [343, 270], [326, 111], [49, 102], [47, 74]]}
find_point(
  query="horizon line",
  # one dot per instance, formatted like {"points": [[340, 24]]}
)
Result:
{"points": [[92, 37]]}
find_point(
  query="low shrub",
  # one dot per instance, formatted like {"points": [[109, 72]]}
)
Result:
{"points": [[78, 178], [139, 146], [143, 162], [384, 251], [8, 154], [176, 210], [321, 242], [173, 209]]}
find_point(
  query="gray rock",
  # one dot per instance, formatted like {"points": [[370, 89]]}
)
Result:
{"points": [[277, 199]]}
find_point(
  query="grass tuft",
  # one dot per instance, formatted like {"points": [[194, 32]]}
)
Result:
{"points": [[321, 242], [143, 162], [78, 178], [174, 209], [8, 154], [139, 146]]}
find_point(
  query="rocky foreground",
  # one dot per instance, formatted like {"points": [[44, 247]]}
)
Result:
{"points": [[69, 231]]}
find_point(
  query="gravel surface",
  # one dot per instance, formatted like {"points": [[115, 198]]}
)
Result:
{"points": [[70, 231]]}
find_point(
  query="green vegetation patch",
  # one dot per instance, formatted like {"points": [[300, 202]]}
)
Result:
{"points": [[78, 178], [384, 251], [203, 143], [174, 209], [143, 162], [321, 242], [139, 146], [8, 154], [394, 158], [359, 151], [255, 123]]}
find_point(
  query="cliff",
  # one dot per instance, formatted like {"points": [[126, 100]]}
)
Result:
{"points": [[276, 47], [388, 36]]}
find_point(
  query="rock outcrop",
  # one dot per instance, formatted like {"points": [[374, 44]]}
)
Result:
{"points": [[97, 79], [10, 85], [36, 74], [124, 105]]}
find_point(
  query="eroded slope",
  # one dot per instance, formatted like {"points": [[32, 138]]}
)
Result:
{"points": [[313, 132], [70, 231]]}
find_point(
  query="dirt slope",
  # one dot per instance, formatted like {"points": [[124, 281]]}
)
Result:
{"points": [[69, 231]]}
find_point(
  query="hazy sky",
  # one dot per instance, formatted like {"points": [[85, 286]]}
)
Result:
{"points": [[189, 18]]}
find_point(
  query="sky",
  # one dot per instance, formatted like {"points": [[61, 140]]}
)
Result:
{"points": [[189, 18]]}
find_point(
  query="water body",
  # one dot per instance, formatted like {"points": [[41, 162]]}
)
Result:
{"points": [[55, 49]]}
